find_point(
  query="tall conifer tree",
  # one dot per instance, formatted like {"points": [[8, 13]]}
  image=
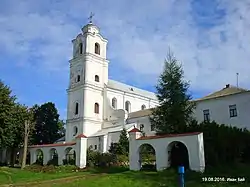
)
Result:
{"points": [[175, 110]]}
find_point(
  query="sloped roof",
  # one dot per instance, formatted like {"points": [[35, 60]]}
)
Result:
{"points": [[130, 89], [105, 131], [228, 90], [140, 113]]}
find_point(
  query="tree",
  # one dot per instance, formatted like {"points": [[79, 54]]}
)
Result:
{"points": [[47, 124], [61, 128], [175, 110], [28, 127], [124, 141], [122, 147], [7, 104]]}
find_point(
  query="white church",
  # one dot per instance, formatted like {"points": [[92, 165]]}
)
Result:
{"points": [[99, 108]]}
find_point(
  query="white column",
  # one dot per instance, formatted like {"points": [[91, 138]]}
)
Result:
{"points": [[81, 151], [161, 159], [33, 156], [134, 156], [105, 143]]}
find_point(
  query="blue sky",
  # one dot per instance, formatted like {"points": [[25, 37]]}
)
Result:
{"points": [[209, 37]]}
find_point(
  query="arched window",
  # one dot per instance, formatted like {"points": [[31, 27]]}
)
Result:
{"points": [[76, 108], [127, 106], [114, 103], [78, 78], [97, 78], [75, 130], [96, 108], [97, 48], [143, 107], [80, 48]]}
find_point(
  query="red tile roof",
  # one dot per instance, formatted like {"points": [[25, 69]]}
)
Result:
{"points": [[168, 136], [53, 145], [134, 130], [81, 136]]}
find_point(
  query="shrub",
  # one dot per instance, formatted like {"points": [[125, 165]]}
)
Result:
{"points": [[70, 161], [53, 161], [123, 160]]}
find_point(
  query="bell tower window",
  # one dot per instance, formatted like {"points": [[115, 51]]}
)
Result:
{"points": [[78, 78], [96, 108], [97, 78], [76, 108], [97, 48], [80, 48]]}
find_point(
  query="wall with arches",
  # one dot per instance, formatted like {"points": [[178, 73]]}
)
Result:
{"points": [[162, 146]]}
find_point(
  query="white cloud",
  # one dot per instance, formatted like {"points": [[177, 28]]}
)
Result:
{"points": [[139, 36]]}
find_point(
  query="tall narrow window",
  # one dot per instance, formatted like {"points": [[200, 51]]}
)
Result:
{"points": [[127, 106], [76, 108], [97, 48], [232, 111], [143, 107], [114, 103], [206, 115], [96, 108], [75, 131], [78, 78], [97, 78], [80, 48]]}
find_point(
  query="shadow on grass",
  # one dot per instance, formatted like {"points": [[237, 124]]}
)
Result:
{"points": [[108, 170]]}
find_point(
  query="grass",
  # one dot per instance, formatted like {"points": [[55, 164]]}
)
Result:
{"points": [[121, 177], [15, 175]]}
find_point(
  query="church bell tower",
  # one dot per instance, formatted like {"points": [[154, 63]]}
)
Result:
{"points": [[88, 75]]}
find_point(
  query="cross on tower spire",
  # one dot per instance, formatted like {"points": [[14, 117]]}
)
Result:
{"points": [[90, 17]]}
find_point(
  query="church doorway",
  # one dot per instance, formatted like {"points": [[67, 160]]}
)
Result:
{"points": [[147, 157], [178, 155]]}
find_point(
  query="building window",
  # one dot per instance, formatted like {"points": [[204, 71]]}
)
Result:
{"points": [[143, 107], [96, 108], [75, 130], [97, 48], [232, 111], [141, 127], [80, 48], [95, 147], [78, 78], [152, 127], [127, 106], [97, 78], [114, 103], [206, 115], [76, 108]]}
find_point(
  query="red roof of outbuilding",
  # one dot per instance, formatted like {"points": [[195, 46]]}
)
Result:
{"points": [[81, 136], [54, 145], [168, 136], [135, 130]]}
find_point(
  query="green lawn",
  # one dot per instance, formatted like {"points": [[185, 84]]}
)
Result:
{"points": [[119, 177], [15, 175]]}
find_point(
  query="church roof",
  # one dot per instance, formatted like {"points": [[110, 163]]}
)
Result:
{"points": [[226, 91], [130, 89], [140, 113], [105, 131]]}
